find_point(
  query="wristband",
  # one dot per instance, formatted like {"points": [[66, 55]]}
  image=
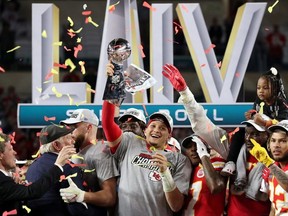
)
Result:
{"points": [[167, 181]]}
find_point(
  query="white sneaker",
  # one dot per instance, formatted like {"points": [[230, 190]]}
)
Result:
{"points": [[229, 169]]}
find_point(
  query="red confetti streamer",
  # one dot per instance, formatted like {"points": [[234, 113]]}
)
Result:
{"points": [[177, 25], [145, 110], [142, 53], [2, 70], [49, 119], [233, 132], [77, 49], [38, 134], [172, 41], [59, 65], [49, 75], [12, 212], [75, 165], [219, 64], [67, 49], [12, 138], [62, 177], [237, 74], [86, 13], [203, 65], [84, 184], [147, 5], [112, 8], [210, 48], [71, 34], [185, 8]]}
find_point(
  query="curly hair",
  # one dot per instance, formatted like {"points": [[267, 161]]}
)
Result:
{"points": [[4, 138]]}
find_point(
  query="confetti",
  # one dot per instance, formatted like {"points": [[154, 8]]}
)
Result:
{"points": [[58, 94], [62, 177], [160, 89], [77, 156], [44, 34], [223, 138], [82, 102], [72, 176], [86, 170], [210, 48], [38, 134], [45, 96], [83, 70], [270, 9], [218, 65], [84, 6], [237, 74], [12, 212], [2, 70], [145, 110], [177, 25], [91, 21], [12, 138], [49, 118], [26, 208], [75, 165], [261, 108], [70, 21], [77, 32], [185, 8], [142, 52], [68, 62], [169, 40], [70, 99], [86, 13], [91, 90], [233, 132], [176, 30], [202, 65], [77, 49], [36, 155], [112, 7], [17, 47], [79, 39], [67, 48], [59, 65], [57, 125], [71, 34], [147, 5], [58, 43], [1, 139], [94, 141]]}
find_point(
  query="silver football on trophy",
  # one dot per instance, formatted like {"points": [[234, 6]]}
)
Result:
{"points": [[118, 50]]}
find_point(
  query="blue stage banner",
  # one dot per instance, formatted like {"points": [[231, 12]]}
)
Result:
{"points": [[38, 116]]}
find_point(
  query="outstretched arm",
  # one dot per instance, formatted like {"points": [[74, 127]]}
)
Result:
{"points": [[200, 123]]}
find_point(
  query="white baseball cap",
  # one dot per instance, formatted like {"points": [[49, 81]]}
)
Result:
{"points": [[282, 125], [82, 115], [173, 142], [255, 125], [132, 112], [165, 116]]}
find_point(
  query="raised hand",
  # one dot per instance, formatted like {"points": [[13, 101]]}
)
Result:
{"points": [[109, 69], [201, 147], [175, 77], [261, 154]]}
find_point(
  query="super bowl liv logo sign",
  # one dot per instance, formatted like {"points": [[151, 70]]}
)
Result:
{"points": [[220, 86]]}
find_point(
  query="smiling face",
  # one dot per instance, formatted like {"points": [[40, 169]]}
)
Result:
{"points": [[157, 134], [278, 145]]}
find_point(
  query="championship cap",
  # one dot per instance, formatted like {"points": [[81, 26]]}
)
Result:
{"points": [[165, 117], [132, 112], [282, 125], [53, 132], [82, 115], [255, 125]]}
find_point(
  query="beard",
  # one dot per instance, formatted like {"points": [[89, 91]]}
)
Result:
{"points": [[78, 142], [282, 159]]}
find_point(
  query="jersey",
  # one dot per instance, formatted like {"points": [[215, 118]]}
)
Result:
{"points": [[140, 189], [97, 157], [200, 201], [278, 196], [244, 206]]}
